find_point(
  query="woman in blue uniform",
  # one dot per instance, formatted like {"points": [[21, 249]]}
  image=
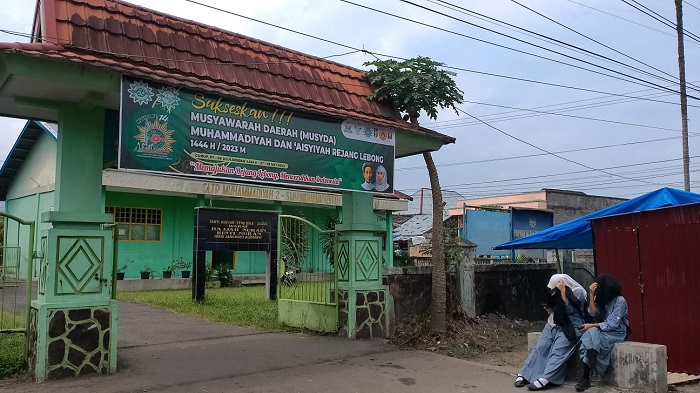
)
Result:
{"points": [[609, 311], [546, 363]]}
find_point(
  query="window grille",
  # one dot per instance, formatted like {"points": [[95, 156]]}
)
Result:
{"points": [[137, 224]]}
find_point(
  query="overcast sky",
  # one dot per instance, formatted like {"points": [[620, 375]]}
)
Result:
{"points": [[602, 144]]}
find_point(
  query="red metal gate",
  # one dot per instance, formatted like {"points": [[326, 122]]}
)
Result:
{"points": [[621, 245], [662, 298]]}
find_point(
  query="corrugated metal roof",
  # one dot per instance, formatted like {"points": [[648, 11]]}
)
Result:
{"points": [[417, 225], [145, 43], [422, 202], [23, 145]]}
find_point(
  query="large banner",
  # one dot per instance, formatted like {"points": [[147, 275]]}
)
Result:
{"points": [[170, 130]]}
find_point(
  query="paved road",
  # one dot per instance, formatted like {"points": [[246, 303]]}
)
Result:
{"points": [[160, 351]]}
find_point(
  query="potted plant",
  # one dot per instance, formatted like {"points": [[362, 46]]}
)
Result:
{"points": [[146, 272], [183, 266], [168, 271], [120, 272]]}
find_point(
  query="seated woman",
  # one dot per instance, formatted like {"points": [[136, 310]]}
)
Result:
{"points": [[609, 311], [546, 363]]}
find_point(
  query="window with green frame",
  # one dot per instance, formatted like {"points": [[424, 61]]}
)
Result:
{"points": [[136, 223]]}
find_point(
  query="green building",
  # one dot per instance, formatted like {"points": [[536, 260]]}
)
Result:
{"points": [[140, 121]]}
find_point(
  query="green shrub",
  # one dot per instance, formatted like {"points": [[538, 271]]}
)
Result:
{"points": [[223, 273]]}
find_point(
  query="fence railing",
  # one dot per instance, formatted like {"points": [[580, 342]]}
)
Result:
{"points": [[12, 303], [306, 269]]}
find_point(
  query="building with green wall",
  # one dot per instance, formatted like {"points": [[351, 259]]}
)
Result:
{"points": [[159, 116]]}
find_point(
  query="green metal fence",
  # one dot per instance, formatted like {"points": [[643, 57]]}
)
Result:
{"points": [[15, 288], [307, 255]]}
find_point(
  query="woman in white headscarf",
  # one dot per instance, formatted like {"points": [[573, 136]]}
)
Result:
{"points": [[380, 184], [546, 363]]}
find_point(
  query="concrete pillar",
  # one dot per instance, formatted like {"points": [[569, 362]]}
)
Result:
{"points": [[466, 287], [73, 322], [389, 239], [362, 299]]}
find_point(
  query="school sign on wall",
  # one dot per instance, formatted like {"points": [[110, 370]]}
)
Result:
{"points": [[170, 130]]}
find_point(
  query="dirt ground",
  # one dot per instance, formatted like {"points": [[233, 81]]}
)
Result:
{"points": [[488, 339]]}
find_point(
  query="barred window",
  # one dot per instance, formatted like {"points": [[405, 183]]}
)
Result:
{"points": [[137, 224]]}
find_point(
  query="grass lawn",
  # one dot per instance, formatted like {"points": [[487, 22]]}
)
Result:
{"points": [[12, 361], [240, 306]]}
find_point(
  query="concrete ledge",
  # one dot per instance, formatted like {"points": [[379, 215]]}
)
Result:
{"points": [[633, 365], [400, 270], [135, 284], [638, 366], [150, 285]]}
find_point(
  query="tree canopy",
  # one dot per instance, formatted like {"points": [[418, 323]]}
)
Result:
{"points": [[413, 85]]}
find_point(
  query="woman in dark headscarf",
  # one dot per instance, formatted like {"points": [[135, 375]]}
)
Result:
{"points": [[546, 363], [609, 311]]}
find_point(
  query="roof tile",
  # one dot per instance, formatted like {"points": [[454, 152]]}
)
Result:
{"points": [[113, 26], [146, 34], [131, 29], [183, 62], [140, 42], [61, 11], [179, 41], [163, 38], [115, 43], [97, 40]]}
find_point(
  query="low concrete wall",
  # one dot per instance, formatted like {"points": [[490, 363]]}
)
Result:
{"points": [[633, 365], [150, 285], [313, 316], [513, 290], [180, 283], [516, 290], [410, 287]]}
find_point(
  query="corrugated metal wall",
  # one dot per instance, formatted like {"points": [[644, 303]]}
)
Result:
{"points": [[487, 229], [658, 280]]}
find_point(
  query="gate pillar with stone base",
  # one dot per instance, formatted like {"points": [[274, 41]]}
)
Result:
{"points": [[363, 302], [73, 323]]}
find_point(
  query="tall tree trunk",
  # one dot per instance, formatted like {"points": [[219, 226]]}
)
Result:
{"points": [[438, 322], [684, 98], [438, 303]]}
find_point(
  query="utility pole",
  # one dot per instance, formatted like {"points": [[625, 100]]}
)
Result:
{"points": [[684, 98]]}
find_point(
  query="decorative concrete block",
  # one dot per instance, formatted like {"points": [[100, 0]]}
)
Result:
{"points": [[638, 366], [532, 338]]}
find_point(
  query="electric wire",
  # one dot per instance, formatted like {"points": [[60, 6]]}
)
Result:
{"points": [[641, 8], [625, 19], [594, 102], [446, 66], [559, 114], [550, 175], [691, 5], [547, 151], [676, 79], [583, 181], [635, 80], [558, 42], [497, 159]]}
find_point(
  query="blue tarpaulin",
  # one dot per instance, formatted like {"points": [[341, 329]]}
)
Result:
{"points": [[577, 233]]}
